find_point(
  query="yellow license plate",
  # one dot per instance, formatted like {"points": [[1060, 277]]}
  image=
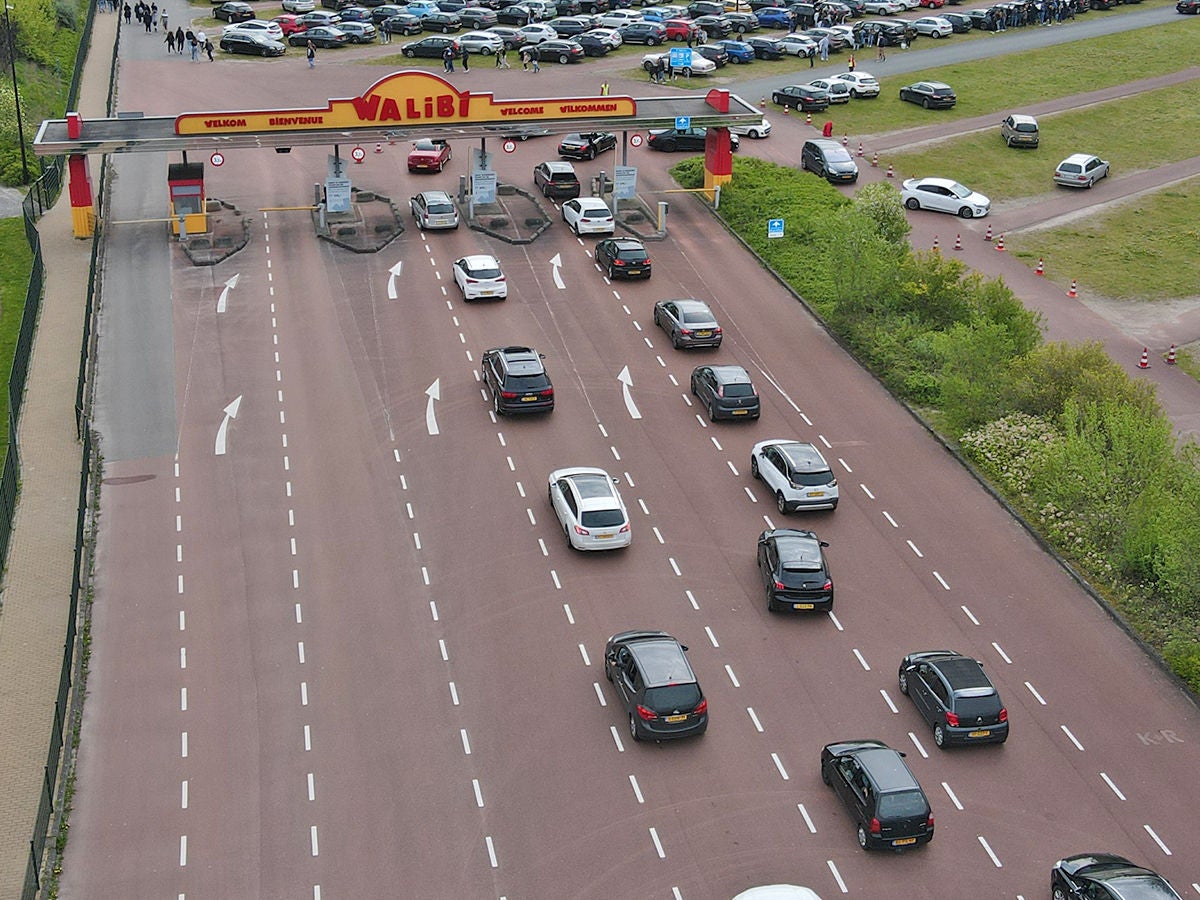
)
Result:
{"points": [[803, 606], [528, 399], [980, 733], [604, 537], [676, 718], [703, 334], [816, 493], [740, 412], [903, 841], [635, 271]]}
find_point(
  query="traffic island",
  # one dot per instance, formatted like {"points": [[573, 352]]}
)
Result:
{"points": [[371, 223], [515, 218], [228, 232]]}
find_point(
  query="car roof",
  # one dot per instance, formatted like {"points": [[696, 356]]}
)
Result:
{"points": [[778, 892], [555, 165], [625, 243], [886, 768], [435, 196], [520, 360], [591, 203], [796, 545], [1022, 118], [804, 457], [661, 660], [730, 374], [690, 305], [1079, 158], [480, 261], [940, 182]]}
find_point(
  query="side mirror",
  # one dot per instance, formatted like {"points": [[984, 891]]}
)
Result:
{"points": [[611, 656], [616, 480], [823, 543], [683, 647]]}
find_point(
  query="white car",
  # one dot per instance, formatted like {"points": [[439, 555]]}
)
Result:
{"points": [[796, 474], [839, 91], [756, 131], [265, 27], [933, 26], [944, 195], [299, 6], [610, 36], [882, 7], [700, 65], [798, 45], [778, 892], [862, 84], [1081, 170], [482, 42], [480, 276], [536, 32], [908, 4], [589, 508], [588, 215], [618, 17]]}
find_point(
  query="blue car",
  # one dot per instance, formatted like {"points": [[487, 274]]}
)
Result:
{"points": [[772, 17], [739, 51]]}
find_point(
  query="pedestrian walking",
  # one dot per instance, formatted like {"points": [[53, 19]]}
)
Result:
{"points": [[194, 46], [466, 59], [448, 58], [702, 37], [170, 42], [385, 36], [537, 65], [154, 17], [501, 62], [812, 54], [311, 53], [208, 48], [524, 54], [179, 40], [881, 56], [850, 63], [128, 13], [146, 19], [163, 19], [604, 89], [824, 47]]}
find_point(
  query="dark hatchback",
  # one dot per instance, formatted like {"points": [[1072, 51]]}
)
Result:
{"points": [[955, 697], [556, 179], [562, 52], [794, 570], [929, 94], [517, 380], [656, 685], [882, 796], [623, 258], [1102, 876], [803, 97], [726, 392], [252, 44]]}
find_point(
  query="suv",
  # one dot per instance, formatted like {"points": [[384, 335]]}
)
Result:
{"points": [[882, 796], [517, 380], [589, 509], [796, 473], [954, 695], [830, 160], [656, 685], [726, 392], [1019, 131], [624, 257], [556, 179], [705, 8]]}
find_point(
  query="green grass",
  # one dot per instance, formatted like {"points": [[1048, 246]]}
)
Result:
{"points": [[1147, 248], [15, 263]]}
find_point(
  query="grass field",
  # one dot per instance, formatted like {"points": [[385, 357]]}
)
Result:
{"points": [[15, 262]]}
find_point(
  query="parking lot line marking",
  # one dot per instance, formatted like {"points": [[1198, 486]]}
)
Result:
{"points": [[616, 738], [807, 420], [970, 615], [845, 465], [712, 637], [500, 437], [183, 657], [717, 444], [732, 677], [637, 791], [491, 849], [1165, 849], [642, 504], [1003, 655], [661, 362], [888, 701], [770, 524], [638, 326], [183, 699], [182, 621], [183, 791], [836, 623], [466, 742], [615, 453], [812, 829], [183, 745], [1116, 790], [521, 489], [692, 600], [478, 792], [916, 743], [512, 467], [657, 844], [629, 481], [442, 650], [671, 378], [779, 765], [300, 651], [995, 858], [678, 896], [583, 652], [866, 490], [699, 418], [1071, 737], [599, 693], [837, 876], [649, 345], [425, 575], [417, 539], [861, 661], [570, 615], [953, 798], [754, 718]]}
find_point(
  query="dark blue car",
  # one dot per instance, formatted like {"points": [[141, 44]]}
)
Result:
{"points": [[776, 17], [739, 51]]}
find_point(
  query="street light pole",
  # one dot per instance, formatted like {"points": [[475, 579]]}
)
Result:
{"points": [[12, 59]]}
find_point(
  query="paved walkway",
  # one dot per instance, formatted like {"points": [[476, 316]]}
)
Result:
{"points": [[37, 584]]}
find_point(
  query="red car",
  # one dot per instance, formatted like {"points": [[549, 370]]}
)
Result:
{"points": [[289, 23], [429, 156], [679, 29], [933, 4]]}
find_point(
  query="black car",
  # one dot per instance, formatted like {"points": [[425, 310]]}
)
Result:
{"points": [[592, 44], [883, 797], [794, 570], [769, 48], [234, 11], [830, 160], [623, 257], [714, 26], [960, 22], [803, 97], [570, 26], [656, 684], [586, 145], [517, 380], [446, 23], [649, 33], [556, 179], [741, 22], [451, 5], [717, 54], [558, 51], [929, 94], [886, 34], [431, 47], [1188, 7], [514, 14], [402, 23], [355, 14], [477, 18], [385, 11], [954, 696], [671, 139], [725, 391], [1104, 876], [689, 323], [252, 44], [324, 36]]}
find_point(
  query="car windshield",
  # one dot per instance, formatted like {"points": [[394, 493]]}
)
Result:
{"points": [[1142, 887], [697, 317], [960, 191], [683, 697], [902, 804], [439, 207], [840, 155], [737, 390], [602, 518]]}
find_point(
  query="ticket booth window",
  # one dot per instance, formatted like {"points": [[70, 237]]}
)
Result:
{"points": [[185, 184]]}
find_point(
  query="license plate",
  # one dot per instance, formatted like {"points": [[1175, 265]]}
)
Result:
{"points": [[904, 841], [635, 272], [816, 493], [984, 733], [803, 606], [528, 399], [740, 412], [486, 293], [703, 334], [674, 719], [604, 537]]}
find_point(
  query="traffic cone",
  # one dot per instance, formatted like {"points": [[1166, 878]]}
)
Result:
{"points": [[890, 172], [860, 150], [1144, 362], [988, 236], [762, 104], [958, 242], [786, 110], [1074, 291], [845, 140], [808, 118], [1171, 356], [379, 147], [936, 247], [1041, 268], [1000, 244], [875, 160]]}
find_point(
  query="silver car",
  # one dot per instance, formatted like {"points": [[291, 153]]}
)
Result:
{"points": [[1081, 170], [434, 210], [589, 508], [689, 323], [796, 474], [482, 42]]}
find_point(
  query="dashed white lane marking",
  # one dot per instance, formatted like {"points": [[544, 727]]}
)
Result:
{"points": [[183, 850], [307, 739], [712, 637], [442, 650], [454, 694], [478, 792], [1074, 740], [754, 718], [845, 465], [299, 616], [867, 491], [674, 565], [941, 580], [543, 548], [717, 444], [657, 534], [1036, 695], [529, 512], [888, 701], [779, 765], [554, 578], [300, 651], [183, 699], [750, 494], [567, 610], [417, 539], [692, 600], [466, 742], [183, 791], [491, 849], [583, 652], [642, 504], [615, 453], [433, 609], [837, 876], [675, 894], [629, 481], [812, 829], [732, 677], [183, 744], [861, 661], [616, 736], [1116, 790], [732, 467], [970, 615], [916, 743], [995, 859], [834, 620], [179, 584], [304, 693], [637, 791], [952, 796], [183, 657], [520, 489], [824, 440], [914, 549], [887, 515], [1000, 650], [658, 847], [295, 578]]}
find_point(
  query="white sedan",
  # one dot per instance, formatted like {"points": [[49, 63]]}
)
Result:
{"points": [[944, 195], [862, 84], [589, 508], [265, 27], [611, 36], [618, 17], [933, 26], [480, 276], [588, 215], [482, 42]]}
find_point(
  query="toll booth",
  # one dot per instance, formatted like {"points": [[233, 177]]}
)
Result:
{"points": [[185, 183]]}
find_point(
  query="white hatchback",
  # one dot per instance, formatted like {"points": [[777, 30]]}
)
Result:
{"points": [[589, 508], [862, 84], [588, 215], [479, 276], [536, 33], [933, 26]]}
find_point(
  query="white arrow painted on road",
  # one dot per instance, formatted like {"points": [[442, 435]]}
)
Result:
{"points": [[231, 412], [556, 261], [392, 273], [626, 382], [231, 283], [434, 392]]}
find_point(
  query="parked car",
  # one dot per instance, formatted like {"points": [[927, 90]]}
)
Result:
{"points": [[358, 32], [234, 11], [383, 12], [587, 145], [266, 27], [429, 155], [742, 22], [649, 33], [1188, 7], [1020, 130], [514, 14], [656, 685], [517, 380], [933, 26], [1081, 170], [838, 91], [699, 65], [1105, 875], [776, 17], [318, 17], [588, 215], [737, 51], [434, 210], [680, 29], [794, 571], [443, 22], [556, 179], [726, 392], [298, 6], [617, 17], [862, 84], [477, 18], [944, 195], [570, 26], [593, 44], [795, 473], [955, 697], [885, 34], [483, 43], [767, 48], [797, 44], [562, 52], [757, 131], [881, 794], [609, 37], [402, 23], [623, 257], [324, 36], [289, 23], [713, 26], [714, 53], [688, 323], [960, 22], [929, 94], [536, 33], [512, 37], [589, 508], [691, 139], [432, 47], [480, 276], [251, 43], [803, 97], [354, 14]]}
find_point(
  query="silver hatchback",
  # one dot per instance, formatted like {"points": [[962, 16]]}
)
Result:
{"points": [[434, 210]]}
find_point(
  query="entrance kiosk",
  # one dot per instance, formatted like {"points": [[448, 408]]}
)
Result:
{"points": [[185, 182]]}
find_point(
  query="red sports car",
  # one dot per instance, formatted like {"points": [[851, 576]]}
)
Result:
{"points": [[429, 156]]}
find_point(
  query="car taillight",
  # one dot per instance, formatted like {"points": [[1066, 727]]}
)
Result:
{"points": [[624, 528], [647, 715], [548, 392], [780, 586], [876, 828], [508, 395], [952, 719], [580, 530], [828, 586], [1003, 714], [717, 330], [618, 262], [688, 331], [929, 821], [701, 708]]}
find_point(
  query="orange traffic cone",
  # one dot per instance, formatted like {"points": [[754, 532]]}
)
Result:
{"points": [[1000, 244], [845, 140], [875, 160], [1041, 268], [936, 248], [1144, 362], [762, 104], [988, 236], [379, 147], [786, 110], [890, 172], [860, 150], [958, 242], [808, 118], [1074, 291], [1171, 356]]}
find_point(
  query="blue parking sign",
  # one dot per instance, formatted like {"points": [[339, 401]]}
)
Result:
{"points": [[774, 228]]}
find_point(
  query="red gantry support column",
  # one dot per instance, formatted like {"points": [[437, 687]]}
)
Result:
{"points": [[718, 158], [79, 184]]}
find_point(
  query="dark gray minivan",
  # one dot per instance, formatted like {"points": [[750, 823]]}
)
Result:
{"points": [[830, 160]]}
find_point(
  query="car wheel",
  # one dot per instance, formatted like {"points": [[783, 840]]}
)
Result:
{"points": [[1060, 893], [862, 838], [675, 341], [567, 536], [939, 735], [772, 606], [712, 411], [633, 732], [591, 154], [563, 59], [496, 403], [781, 502], [486, 51], [912, 203], [578, 233], [653, 42], [904, 683], [410, 53], [935, 35], [445, 29], [925, 103], [966, 213], [734, 60], [608, 672], [803, 164], [754, 473], [824, 775]]}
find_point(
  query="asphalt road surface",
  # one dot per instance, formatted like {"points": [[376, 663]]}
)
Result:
{"points": [[351, 655]]}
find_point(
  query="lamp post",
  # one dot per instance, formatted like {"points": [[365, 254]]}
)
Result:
{"points": [[12, 59]]}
